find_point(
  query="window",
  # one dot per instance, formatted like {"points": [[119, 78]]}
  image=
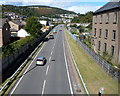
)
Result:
{"points": [[100, 33], [113, 35], [112, 50], [106, 34], [6, 29], [107, 18], [115, 18], [101, 19], [99, 43], [95, 32], [96, 19], [105, 47]]}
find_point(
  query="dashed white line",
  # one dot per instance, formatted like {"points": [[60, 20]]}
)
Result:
{"points": [[47, 69], [52, 52], [55, 39], [43, 88], [54, 44], [53, 48], [49, 59]]}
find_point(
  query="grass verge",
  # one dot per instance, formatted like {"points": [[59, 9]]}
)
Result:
{"points": [[93, 75]]}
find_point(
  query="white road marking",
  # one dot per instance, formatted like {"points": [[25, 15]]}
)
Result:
{"points": [[71, 90], [26, 70], [52, 52], [78, 71], [49, 59], [56, 39], [43, 88], [47, 69], [53, 47], [54, 44]]}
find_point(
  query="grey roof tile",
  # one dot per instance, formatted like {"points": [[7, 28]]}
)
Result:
{"points": [[108, 6]]}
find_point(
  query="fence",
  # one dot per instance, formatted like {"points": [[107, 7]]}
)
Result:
{"points": [[112, 71]]}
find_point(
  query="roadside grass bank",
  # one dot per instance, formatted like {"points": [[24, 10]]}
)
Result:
{"points": [[93, 75]]}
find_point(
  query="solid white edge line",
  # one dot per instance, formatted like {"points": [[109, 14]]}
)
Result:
{"points": [[47, 69], [71, 90], [84, 85], [43, 88], [26, 71]]}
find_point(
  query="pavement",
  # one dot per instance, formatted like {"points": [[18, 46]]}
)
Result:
{"points": [[54, 77]]}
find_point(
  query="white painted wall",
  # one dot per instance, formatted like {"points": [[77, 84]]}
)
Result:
{"points": [[22, 33]]}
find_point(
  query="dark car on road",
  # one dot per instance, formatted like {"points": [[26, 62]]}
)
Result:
{"points": [[51, 37]]}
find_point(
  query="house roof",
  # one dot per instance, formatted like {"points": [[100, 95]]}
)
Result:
{"points": [[22, 33], [110, 5], [13, 30], [18, 22]]}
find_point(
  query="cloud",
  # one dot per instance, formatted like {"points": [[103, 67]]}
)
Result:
{"points": [[58, 1], [28, 2], [71, 5], [38, 1], [83, 8]]}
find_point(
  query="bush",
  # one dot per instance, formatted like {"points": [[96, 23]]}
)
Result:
{"points": [[87, 41], [73, 32], [33, 26], [13, 47]]}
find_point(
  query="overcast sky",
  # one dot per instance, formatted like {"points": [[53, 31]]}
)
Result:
{"points": [[78, 6]]}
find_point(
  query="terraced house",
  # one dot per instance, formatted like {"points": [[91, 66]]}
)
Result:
{"points": [[106, 31], [4, 32]]}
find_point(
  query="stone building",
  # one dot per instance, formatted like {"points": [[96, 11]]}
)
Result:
{"points": [[106, 31]]}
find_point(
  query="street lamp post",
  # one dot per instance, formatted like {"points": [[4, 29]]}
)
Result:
{"points": [[101, 92]]}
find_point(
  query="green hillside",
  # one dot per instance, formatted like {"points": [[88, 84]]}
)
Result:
{"points": [[35, 10], [83, 18]]}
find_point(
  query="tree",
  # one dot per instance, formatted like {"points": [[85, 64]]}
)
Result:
{"points": [[89, 26], [83, 18], [73, 25], [81, 28], [33, 26]]}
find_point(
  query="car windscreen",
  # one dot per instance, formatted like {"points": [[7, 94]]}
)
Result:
{"points": [[39, 60]]}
